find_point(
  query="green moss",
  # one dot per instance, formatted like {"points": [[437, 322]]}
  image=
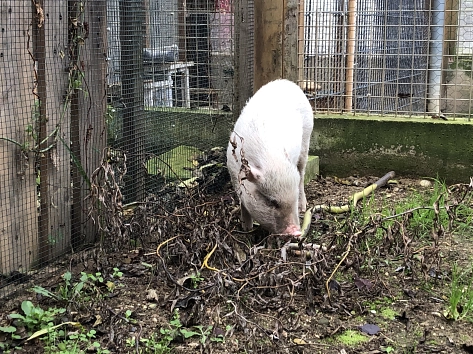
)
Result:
{"points": [[409, 146], [174, 164], [352, 338], [388, 313]]}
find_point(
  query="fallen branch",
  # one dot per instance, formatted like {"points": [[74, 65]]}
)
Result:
{"points": [[345, 208]]}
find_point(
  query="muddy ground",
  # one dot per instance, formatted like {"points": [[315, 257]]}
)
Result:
{"points": [[190, 256]]}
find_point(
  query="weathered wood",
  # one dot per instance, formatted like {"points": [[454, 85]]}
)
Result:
{"points": [[290, 69], [269, 25], [92, 103], [451, 28], [87, 54], [18, 196], [350, 59], [58, 128], [244, 51], [181, 32], [73, 98], [277, 41], [450, 40], [39, 52]]}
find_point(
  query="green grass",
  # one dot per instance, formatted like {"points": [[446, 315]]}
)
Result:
{"points": [[460, 299]]}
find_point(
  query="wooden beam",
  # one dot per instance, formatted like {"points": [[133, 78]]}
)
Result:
{"points": [[243, 49], [18, 207], [290, 44], [269, 25]]}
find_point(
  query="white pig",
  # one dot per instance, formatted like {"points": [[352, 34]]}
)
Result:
{"points": [[267, 156]]}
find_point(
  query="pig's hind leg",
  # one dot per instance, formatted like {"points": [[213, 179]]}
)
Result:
{"points": [[246, 219]]}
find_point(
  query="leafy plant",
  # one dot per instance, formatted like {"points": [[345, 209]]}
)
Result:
{"points": [[35, 317], [195, 279], [162, 344], [116, 273], [72, 342], [460, 301], [87, 286]]}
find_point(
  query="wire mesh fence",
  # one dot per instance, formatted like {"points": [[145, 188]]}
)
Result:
{"points": [[52, 129], [151, 87], [389, 57], [144, 85]]}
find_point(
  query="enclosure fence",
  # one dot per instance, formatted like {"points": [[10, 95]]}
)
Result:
{"points": [[102, 89], [389, 57], [143, 94]]}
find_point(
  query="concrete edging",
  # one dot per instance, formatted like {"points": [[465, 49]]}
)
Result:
{"points": [[411, 147]]}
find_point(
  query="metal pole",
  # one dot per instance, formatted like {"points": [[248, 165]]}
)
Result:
{"points": [[436, 55], [350, 63]]}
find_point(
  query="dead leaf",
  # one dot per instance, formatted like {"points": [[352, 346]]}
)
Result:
{"points": [[299, 341], [98, 321], [370, 329], [152, 295], [363, 283]]}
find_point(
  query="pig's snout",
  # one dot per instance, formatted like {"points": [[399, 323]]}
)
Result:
{"points": [[293, 230]]}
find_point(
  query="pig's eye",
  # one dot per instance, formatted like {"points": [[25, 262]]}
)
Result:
{"points": [[274, 203]]}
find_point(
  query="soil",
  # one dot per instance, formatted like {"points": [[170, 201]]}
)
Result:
{"points": [[379, 274]]}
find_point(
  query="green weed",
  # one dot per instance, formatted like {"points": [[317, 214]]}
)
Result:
{"points": [[460, 300]]}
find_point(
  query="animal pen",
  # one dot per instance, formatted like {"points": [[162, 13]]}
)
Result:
{"points": [[141, 94]]}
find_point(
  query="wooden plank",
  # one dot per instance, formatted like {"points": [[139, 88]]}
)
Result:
{"points": [[131, 37], [58, 157], [243, 53], [451, 28], [450, 42], [269, 21], [91, 110], [350, 58], [18, 196], [39, 51], [181, 32], [93, 105], [290, 42]]}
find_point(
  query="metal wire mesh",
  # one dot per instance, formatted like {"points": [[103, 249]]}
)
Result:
{"points": [[52, 129], [151, 79], [389, 57], [160, 82], [183, 51]]}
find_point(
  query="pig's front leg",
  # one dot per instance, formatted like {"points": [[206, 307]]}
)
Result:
{"points": [[246, 219], [302, 198]]}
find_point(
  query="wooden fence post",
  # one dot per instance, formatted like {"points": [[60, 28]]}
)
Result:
{"points": [[18, 195], [93, 104], [243, 51], [58, 125], [276, 41]]}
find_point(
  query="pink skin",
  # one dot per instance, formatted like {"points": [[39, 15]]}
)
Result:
{"points": [[293, 230]]}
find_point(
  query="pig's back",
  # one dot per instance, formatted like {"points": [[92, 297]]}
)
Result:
{"points": [[273, 121]]}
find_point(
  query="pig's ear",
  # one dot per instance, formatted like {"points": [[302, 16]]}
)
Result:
{"points": [[254, 175]]}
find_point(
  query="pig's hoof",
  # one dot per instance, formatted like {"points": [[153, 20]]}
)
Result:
{"points": [[247, 226]]}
